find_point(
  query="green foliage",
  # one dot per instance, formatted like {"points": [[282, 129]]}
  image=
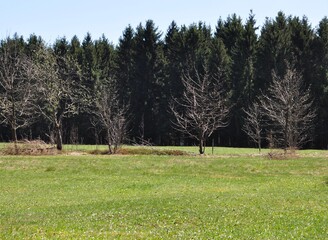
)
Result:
{"points": [[147, 84], [273, 50], [125, 65], [169, 197]]}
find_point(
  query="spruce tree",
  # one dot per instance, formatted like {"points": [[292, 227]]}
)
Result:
{"points": [[232, 33], [125, 65], [147, 84], [320, 81], [88, 61], [273, 50]]}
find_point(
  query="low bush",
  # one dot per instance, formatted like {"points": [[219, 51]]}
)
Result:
{"points": [[282, 154], [26, 147], [142, 151]]}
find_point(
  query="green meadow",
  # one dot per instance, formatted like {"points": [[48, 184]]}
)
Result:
{"points": [[232, 194]]}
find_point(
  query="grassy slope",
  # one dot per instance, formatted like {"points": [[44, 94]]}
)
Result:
{"points": [[80, 197]]}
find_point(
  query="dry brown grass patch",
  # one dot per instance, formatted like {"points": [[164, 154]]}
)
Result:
{"points": [[283, 154], [26, 147], [142, 151]]}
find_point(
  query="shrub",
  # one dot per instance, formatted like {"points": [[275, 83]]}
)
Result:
{"points": [[142, 151], [26, 147], [283, 155]]}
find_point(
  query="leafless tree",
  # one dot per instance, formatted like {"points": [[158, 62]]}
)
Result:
{"points": [[253, 126], [111, 116], [289, 109], [58, 93], [203, 107], [16, 87]]}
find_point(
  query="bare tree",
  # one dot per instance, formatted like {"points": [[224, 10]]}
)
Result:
{"points": [[289, 109], [111, 116], [253, 123], [16, 87], [203, 107], [58, 93]]}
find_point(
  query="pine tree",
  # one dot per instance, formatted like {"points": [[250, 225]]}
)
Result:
{"points": [[273, 50], [320, 80], [104, 60], [173, 50], [125, 65], [249, 48], [75, 50], [302, 37], [88, 61], [233, 35], [33, 44], [147, 83]]}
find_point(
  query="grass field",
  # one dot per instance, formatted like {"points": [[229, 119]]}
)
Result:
{"points": [[231, 195]]}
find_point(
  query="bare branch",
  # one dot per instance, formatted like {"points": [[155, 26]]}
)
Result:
{"points": [[58, 93], [111, 116], [253, 126], [203, 107], [17, 86], [289, 109]]}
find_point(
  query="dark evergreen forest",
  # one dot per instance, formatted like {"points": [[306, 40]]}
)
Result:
{"points": [[146, 67]]}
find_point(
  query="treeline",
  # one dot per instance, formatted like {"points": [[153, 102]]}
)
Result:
{"points": [[146, 67]]}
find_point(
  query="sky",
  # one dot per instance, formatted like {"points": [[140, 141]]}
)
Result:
{"points": [[53, 19]]}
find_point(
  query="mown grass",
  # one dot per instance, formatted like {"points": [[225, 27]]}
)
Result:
{"points": [[163, 197]]}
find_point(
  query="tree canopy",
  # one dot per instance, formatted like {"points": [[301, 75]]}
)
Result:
{"points": [[147, 69]]}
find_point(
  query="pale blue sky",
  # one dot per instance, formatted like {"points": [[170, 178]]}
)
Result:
{"points": [[57, 18]]}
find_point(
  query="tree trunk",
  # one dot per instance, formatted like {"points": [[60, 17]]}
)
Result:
{"points": [[13, 121], [59, 140], [14, 137], [109, 142], [13, 126], [286, 131], [115, 148], [14, 133], [201, 146], [259, 144]]}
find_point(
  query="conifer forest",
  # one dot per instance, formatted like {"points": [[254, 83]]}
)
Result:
{"points": [[233, 84]]}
